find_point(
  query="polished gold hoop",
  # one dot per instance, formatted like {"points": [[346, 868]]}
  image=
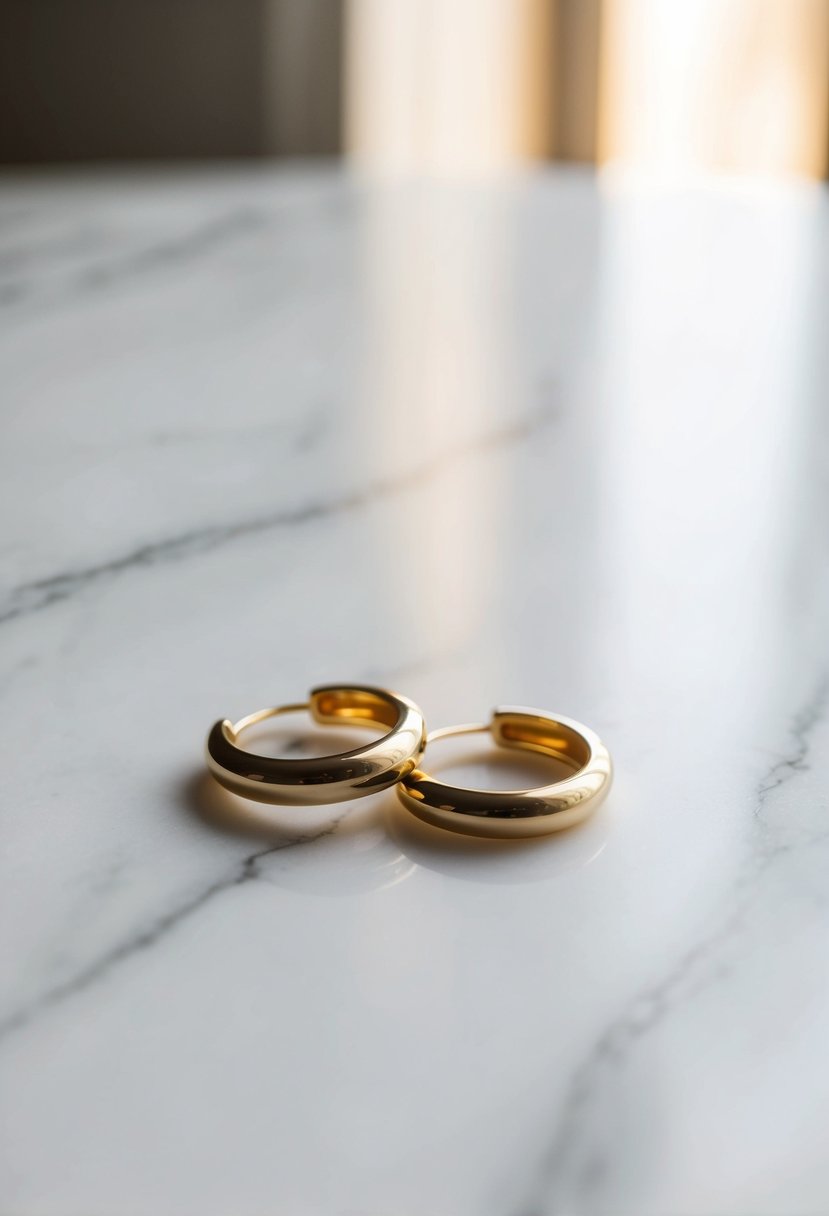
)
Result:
{"points": [[318, 780], [512, 813]]}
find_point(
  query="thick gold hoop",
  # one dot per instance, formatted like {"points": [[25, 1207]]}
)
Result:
{"points": [[512, 813], [318, 780]]}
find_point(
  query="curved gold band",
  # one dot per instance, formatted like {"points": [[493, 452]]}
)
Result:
{"points": [[514, 813], [317, 780]]}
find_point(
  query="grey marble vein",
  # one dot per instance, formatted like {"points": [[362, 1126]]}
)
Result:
{"points": [[171, 252], [796, 761], [245, 871], [571, 1161], [22, 256], [301, 438], [43, 593]]}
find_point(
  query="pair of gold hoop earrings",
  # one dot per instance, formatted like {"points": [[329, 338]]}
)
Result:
{"points": [[394, 759]]}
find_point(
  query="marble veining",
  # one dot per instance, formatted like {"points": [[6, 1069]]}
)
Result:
{"points": [[40, 594], [109, 271], [247, 870], [549, 440], [700, 965]]}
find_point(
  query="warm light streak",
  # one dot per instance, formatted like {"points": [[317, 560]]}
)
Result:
{"points": [[447, 86], [741, 86]]}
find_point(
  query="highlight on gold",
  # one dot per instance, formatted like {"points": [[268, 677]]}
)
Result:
{"points": [[517, 813]]}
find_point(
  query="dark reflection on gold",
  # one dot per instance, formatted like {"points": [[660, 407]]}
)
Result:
{"points": [[323, 779]]}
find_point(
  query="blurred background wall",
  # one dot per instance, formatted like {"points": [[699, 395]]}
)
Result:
{"points": [[85, 80], [435, 85]]}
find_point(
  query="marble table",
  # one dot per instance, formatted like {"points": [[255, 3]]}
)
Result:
{"points": [[542, 441]]}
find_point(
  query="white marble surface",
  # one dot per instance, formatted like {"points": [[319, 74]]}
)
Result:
{"points": [[529, 442]]}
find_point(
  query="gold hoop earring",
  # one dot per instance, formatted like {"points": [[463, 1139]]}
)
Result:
{"points": [[514, 813], [317, 780]]}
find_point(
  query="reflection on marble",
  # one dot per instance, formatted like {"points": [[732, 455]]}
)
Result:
{"points": [[540, 441]]}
